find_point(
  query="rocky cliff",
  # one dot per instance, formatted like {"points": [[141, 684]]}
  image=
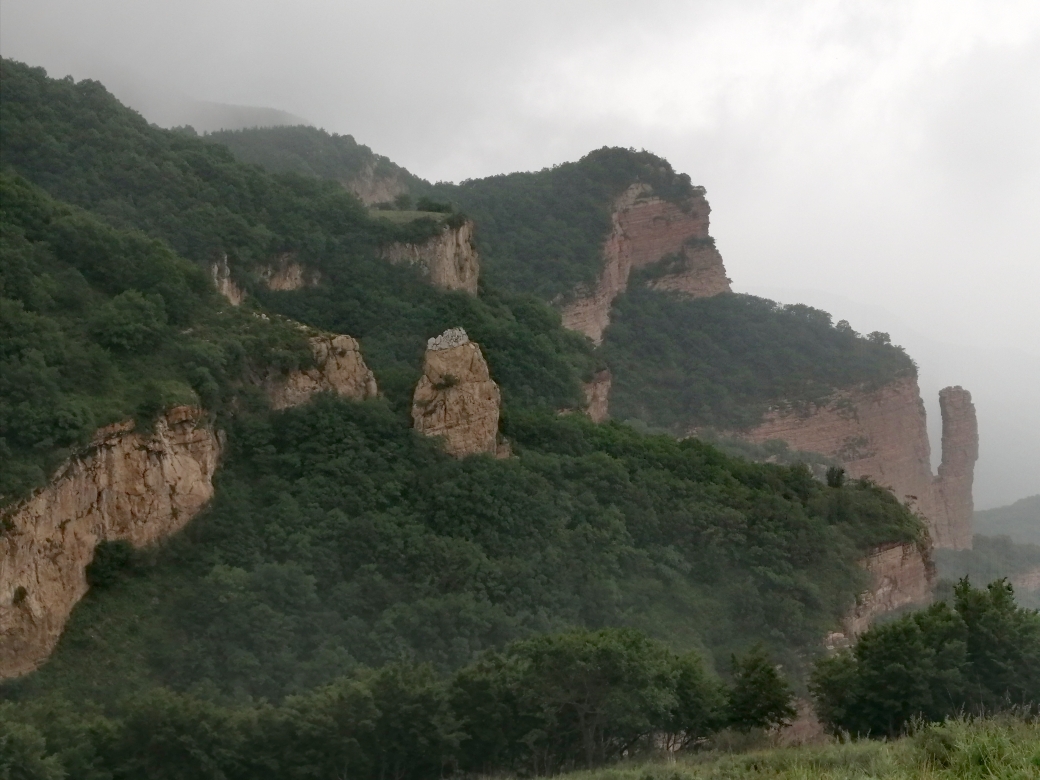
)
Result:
{"points": [[286, 272], [597, 396], [882, 434], [371, 186], [338, 368], [449, 260], [645, 230], [456, 398], [900, 576], [226, 286], [128, 485]]}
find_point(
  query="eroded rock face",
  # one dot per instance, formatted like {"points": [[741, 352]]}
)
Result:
{"points": [[882, 434], [339, 368], [449, 260], [372, 187], [221, 273], [647, 229], [456, 398], [133, 486], [901, 576], [287, 273], [597, 396]]}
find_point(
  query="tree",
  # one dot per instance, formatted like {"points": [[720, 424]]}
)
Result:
{"points": [[760, 696]]}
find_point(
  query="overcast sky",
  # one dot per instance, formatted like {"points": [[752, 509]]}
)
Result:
{"points": [[881, 159]]}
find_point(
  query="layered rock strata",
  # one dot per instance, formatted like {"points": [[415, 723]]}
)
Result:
{"points": [[901, 576], [645, 230], [128, 485], [882, 434], [449, 260], [338, 368], [597, 396], [456, 399]]}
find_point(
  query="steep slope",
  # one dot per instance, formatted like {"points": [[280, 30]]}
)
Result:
{"points": [[1020, 521]]}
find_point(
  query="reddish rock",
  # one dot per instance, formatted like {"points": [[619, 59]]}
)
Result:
{"points": [[647, 229]]}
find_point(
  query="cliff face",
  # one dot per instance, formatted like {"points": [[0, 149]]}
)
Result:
{"points": [[882, 435], [448, 260], [339, 368], [221, 273], [646, 229], [597, 396], [456, 397], [287, 273], [901, 576], [372, 187], [133, 486]]}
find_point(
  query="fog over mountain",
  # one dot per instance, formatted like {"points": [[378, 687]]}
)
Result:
{"points": [[879, 160]]}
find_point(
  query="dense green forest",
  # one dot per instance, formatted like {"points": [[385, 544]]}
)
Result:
{"points": [[313, 152], [990, 558], [719, 362], [1020, 521]]}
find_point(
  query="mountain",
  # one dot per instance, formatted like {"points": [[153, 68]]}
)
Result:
{"points": [[1020, 521], [618, 242], [268, 481]]}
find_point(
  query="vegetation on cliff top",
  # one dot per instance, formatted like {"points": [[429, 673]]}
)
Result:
{"points": [[721, 362]]}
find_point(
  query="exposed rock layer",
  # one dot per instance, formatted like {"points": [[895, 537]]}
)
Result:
{"points": [[646, 229], [134, 486], [597, 396], [338, 368], [901, 576], [221, 273], [449, 260], [456, 397], [287, 273], [372, 187], [882, 434]]}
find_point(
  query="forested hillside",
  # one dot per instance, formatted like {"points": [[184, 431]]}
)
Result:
{"points": [[339, 540], [677, 363]]}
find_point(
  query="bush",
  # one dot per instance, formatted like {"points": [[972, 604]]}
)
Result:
{"points": [[112, 561]]}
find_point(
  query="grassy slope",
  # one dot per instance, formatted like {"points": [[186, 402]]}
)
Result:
{"points": [[957, 750]]}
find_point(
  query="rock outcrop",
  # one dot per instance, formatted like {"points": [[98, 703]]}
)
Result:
{"points": [[456, 398], [882, 434], [645, 230], [128, 485], [449, 260], [287, 273], [221, 273], [901, 576], [372, 186], [338, 368], [597, 396]]}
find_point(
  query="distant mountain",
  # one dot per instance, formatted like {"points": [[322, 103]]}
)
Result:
{"points": [[1020, 521]]}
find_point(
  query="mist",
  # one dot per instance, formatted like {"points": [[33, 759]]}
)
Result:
{"points": [[879, 159]]}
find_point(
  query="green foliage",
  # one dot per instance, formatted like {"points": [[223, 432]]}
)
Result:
{"points": [[981, 655], [542, 233], [835, 477], [990, 558], [99, 324], [112, 560], [721, 362], [760, 697]]}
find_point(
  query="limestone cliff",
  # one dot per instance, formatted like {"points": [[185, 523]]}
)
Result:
{"points": [[286, 272], [221, 273], [128, 485], [645, 230], [456, 397], [338, 368], [900, 576], [449, 260], [597, 396], [882, 434]]}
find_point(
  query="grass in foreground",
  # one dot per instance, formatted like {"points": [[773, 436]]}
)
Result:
{"points": [[996, 749]]}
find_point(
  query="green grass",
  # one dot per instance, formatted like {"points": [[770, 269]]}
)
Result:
{"points": [[1003, 748]]}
